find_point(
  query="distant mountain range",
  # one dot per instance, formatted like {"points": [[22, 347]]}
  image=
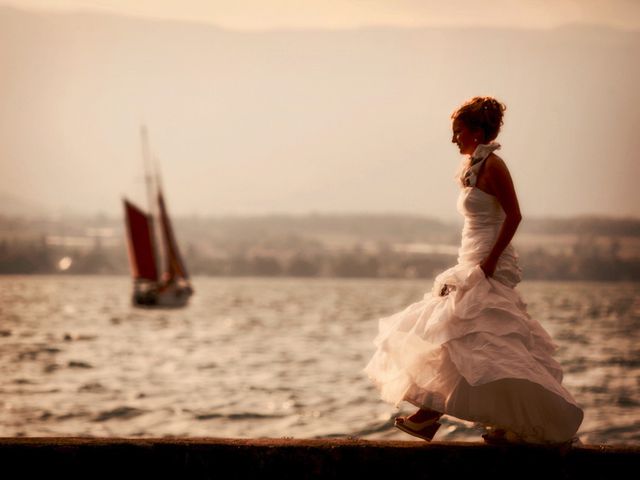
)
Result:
{"points": [[26, 219], [13, 205]]}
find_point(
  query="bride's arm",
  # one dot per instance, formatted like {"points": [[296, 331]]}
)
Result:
{"points": [[501, 186]]}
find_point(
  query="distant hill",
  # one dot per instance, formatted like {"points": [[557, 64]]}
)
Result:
{"points": [[13, 205], [583, 225], [355, 226]]}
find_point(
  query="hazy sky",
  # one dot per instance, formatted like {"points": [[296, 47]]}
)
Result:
{"points": [[314, 114], [301, 14]]}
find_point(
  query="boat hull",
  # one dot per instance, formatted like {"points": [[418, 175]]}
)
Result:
{"points": [[168, 297]]}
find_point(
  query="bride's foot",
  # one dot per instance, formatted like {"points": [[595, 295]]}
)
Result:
{"points": [[422, 424], [499, 436], [495, 436], [422, 415]]}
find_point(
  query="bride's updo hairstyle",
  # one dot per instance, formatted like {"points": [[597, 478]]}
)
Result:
{"points": [[481, 113]]}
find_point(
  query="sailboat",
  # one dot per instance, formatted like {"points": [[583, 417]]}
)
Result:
{"points": [[172, 287]]}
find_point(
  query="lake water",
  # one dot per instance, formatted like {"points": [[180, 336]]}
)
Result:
{"points": [[269, 358]]}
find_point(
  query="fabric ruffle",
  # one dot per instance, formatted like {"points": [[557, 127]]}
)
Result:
{"points": [[471, 352], [468, 173]]}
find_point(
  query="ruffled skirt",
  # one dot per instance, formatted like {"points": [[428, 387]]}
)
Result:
{"points": [[469, 349]]}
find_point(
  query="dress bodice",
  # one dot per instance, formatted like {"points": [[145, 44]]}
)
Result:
{"points": [[479, 208], [483, 217]]}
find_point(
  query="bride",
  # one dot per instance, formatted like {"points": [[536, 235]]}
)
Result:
{"points": [[469, 349]]}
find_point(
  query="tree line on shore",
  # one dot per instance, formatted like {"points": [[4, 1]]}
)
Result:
{"points": [[583, 261]]}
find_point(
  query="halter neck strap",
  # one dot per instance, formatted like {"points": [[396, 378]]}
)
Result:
{"points": [[472, 168]]}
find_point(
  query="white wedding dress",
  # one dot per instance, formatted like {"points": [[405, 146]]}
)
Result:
{"points": [[473, 352]]}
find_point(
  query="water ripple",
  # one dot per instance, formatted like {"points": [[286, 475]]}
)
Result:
{"points": [[269, 358]]}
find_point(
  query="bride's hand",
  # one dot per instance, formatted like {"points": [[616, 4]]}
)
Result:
{"points": [[488, 266]]}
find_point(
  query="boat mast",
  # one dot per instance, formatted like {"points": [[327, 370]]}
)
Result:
{"points": [[175, 267], [148, 171], [151, 190]]}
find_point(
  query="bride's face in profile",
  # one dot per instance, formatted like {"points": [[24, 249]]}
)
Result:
{"points": [[466, 140]]}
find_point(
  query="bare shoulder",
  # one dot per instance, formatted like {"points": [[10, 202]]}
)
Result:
{"points": [[497, 169], [498, 179], [496, 164]]}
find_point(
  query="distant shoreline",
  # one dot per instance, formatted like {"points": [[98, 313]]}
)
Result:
{"points": [[327, 246]]}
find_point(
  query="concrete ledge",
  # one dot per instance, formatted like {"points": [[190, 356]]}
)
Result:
{"points": [[119, 458]]}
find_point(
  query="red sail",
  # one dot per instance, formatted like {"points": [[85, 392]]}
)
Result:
{"points": [[141, 250], [175, 266]]}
